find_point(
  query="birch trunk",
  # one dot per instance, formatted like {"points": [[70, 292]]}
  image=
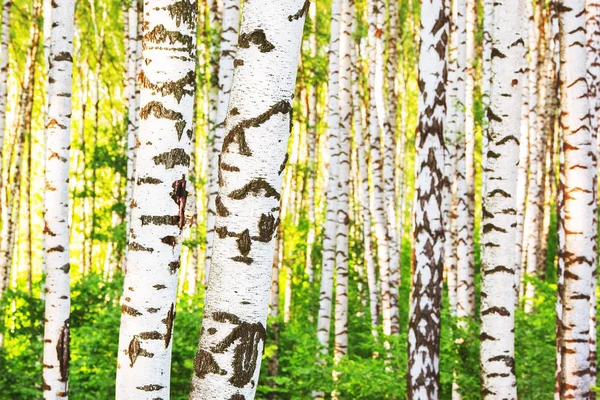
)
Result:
{"points": [[375, 8], [499, 201], [167, 83], [56, 202], [253, 158], [580, 209], [343, 189], [364, 195], [426, 293], [4, 41], [229, 39], [327, 270]]}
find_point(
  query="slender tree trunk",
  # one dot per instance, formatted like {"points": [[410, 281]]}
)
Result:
{"points": [[580, 208], [229, 40], [167, 82], [375, 8], [4, 41], [426, 293], [56, 225], [364, 196], [498, 288], [327, 271], [343, 189]]}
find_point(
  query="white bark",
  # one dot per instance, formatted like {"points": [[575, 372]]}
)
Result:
{"points": [[580, 208], [499, 200], [56, 203], [167, 82], [327, 270], [229, 39], [426, 293], [253, 157]]}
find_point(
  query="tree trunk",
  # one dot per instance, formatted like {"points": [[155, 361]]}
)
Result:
{"points": [[498, 288], [426, 291], [580, 218], [229, 40], [56, 216], [327, 270], [167, 83], [253, 158]]}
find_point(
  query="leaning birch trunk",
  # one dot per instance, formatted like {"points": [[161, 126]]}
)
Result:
{"points": [[579, 254], [56, 202], [167, 82], [327, 270], [499, 289], [426, 291], [229, 39], [253, 159]]}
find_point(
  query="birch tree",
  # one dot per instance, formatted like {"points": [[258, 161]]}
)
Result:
{"points": [[229, 39], [167, 82], [56, 202], [579, 255], [501, 147], [328, 266], [426, 291], [252, 162]]}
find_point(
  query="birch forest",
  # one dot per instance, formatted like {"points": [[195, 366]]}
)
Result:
{"points": [[294, 199]]}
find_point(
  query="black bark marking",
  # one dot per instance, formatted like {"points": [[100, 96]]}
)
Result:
{"points": [[160, 34], [301, 13], [63, 351], [496, 310], [159, 287], [183, 11], [266, 228], [258, 38], [47, 230], [229, 168], [57, 249], [204, 364], [244, 243], [497, 53], [154, 335], [222, 211], [169, 240], [255, 187], [125, 309], [134, 350], [65, 268], [487, 228], [159, 111], [179, 195], [245, 356], [238, 133], [160, 220], [172, 158], [174, 266], [148, 180], [150, 388], [176, 88], [169, 323], [243, 259], [491, 116], [135, 246], [284, 163], [237, 396], [63, 56]]}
